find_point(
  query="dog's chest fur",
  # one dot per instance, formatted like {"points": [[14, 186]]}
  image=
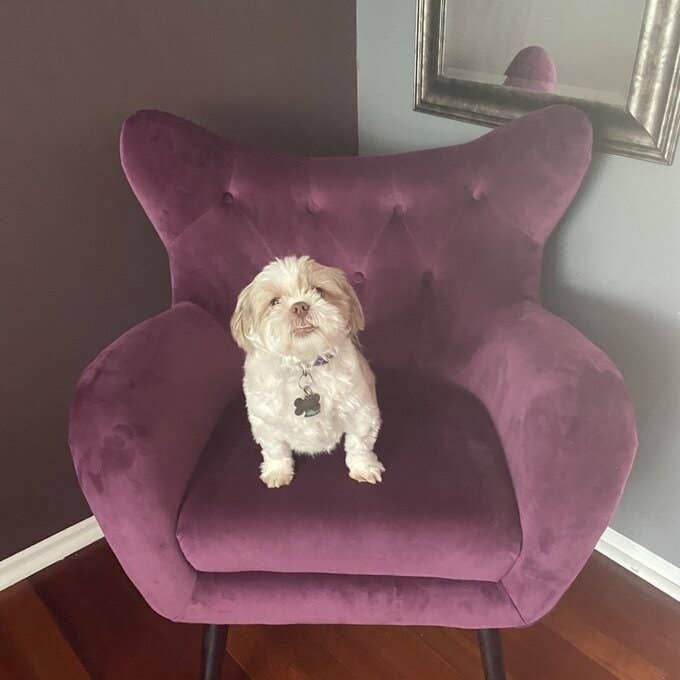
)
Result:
{"points": [[272, 385]]}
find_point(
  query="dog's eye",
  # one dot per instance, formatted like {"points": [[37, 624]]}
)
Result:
{"points": [[274, 301], [318, 290]]}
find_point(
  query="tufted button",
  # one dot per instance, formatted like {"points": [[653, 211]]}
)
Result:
{"points": [[399, 209], [427, 278], [478, 193], [358, 277], [312, 207], [227, 197], [114, 441]]}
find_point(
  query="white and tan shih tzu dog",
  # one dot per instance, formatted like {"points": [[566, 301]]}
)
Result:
{"points": [[306, 382]]}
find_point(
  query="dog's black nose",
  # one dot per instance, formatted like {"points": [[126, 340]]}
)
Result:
{"points": [[300, 309]]}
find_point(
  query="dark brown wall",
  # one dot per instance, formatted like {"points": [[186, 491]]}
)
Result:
{"points": [[79, 262]]}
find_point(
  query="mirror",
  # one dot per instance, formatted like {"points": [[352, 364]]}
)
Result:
{"points": [[593, 59], [487, 61]]}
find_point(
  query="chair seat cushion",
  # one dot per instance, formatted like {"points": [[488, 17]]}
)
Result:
{"points": [[446, 506]]}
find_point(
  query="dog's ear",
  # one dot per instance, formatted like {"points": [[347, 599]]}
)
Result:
{"points": [[356, 313], [242, 319]]}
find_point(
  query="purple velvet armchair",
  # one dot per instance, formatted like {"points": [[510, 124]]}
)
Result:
{"points": [[507, 435]]}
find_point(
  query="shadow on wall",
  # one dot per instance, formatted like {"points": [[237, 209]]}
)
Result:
{"points": [[642, 343], [645, 348]]}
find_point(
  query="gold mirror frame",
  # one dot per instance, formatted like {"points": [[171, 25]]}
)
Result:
{"points": [[646, 127]]}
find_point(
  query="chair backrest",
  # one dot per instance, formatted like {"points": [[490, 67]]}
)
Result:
{"points": [[434, 241]]}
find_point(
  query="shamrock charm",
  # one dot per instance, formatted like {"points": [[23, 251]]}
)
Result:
{"points": [[309, 405]]}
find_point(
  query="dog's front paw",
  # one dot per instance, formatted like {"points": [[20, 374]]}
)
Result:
{"points": [[366, 469], [276, 473]]}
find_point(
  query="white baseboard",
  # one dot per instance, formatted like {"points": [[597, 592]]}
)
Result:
{"points": [[630, 555], [642, 562], [48, 551]]}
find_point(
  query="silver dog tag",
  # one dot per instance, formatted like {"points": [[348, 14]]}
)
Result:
{"points": [[309, 405]]}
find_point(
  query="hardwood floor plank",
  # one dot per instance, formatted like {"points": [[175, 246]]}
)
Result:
{"points": [[360, 659], [114, 632], [14, 664], [458, 647], [276, 652], [633, 613], [538, 652], [622, 661], [384, 652], [85, 619], [32, 646]]}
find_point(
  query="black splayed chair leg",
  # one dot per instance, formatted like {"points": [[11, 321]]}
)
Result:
{"points": [[492, 653], [214, 646]]}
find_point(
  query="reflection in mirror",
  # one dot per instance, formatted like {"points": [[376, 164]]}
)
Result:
{"points": [[532, 69], [592, 44]]}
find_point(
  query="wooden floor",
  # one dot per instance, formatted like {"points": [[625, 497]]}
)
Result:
{"points": [[82, 619]]}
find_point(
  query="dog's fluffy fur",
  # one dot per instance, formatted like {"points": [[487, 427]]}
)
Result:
{"points": [[279, 344]]}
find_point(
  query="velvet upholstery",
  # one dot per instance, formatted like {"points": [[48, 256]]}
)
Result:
{"points": [[454, 517], [521, 428]]}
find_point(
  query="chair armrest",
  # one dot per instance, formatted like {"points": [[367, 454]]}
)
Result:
{"points": [[141, 416], [568, 431]]}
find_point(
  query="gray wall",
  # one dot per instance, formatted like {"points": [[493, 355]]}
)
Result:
{"points": [[612, 269], [79, 261]]}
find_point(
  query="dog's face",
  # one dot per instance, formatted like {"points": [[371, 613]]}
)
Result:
{"points": [[296, 308]]}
